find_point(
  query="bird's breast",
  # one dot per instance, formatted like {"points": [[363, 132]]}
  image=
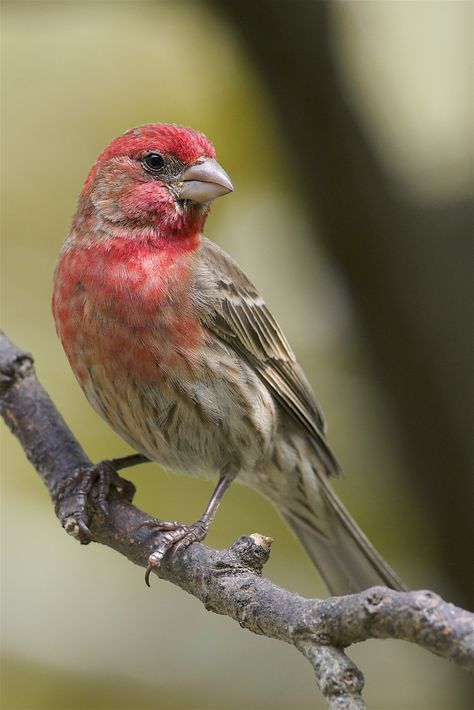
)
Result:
{"points": [[127, 312]]}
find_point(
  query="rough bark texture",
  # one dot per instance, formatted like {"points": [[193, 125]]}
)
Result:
{"points": [[229, 581]]}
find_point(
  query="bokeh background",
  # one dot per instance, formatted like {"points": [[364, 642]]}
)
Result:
{"points": [[347, 130]]}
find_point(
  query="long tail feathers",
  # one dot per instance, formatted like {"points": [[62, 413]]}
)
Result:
{"points": [[345, 558]]}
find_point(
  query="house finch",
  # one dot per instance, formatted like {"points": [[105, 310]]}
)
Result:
{"points": [[175, 348]]}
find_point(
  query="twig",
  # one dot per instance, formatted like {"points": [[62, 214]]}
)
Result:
{"points": [[229, 581]]}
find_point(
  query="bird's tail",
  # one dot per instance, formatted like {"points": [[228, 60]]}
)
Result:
{"points": [[344, 556]]}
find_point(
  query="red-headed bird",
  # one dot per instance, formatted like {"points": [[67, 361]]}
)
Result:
{"points": [[175, 348]]}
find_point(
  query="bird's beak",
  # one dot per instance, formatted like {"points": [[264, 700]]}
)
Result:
{"points": [[204, 181]]}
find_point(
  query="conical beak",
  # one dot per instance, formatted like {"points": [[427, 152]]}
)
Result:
{"points": [[204, 181]]}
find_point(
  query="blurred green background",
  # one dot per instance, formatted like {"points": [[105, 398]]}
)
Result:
{"points": [[79, 628]]}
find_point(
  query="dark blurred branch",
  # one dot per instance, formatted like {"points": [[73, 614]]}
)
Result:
{"points": [[408, 265], [229, 581]]}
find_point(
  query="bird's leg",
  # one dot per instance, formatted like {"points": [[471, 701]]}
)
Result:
{"points": [[128, 461], [177, 536], [73, 492]]}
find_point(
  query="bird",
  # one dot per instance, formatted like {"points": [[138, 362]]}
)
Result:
{"points": [[176, 349]]}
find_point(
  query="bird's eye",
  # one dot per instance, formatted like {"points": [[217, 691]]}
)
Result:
{"points": [[153, 162]]}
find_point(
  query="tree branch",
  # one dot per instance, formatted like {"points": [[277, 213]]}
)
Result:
{"points": [[229, 581]]}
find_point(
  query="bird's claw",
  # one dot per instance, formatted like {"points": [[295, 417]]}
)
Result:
{"points": [[174, 537], [74, 492]]}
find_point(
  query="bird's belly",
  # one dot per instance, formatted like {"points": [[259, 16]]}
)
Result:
{"points": [[200, 417]]}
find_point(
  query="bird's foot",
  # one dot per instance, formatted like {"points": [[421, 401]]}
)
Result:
{"points": [[73, 494], [173, 536]]}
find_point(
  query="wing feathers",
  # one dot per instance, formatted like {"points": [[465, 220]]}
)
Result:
{"points": [[238, 315]]}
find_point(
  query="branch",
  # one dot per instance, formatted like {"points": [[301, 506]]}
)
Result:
{"points": [[229, 582]]}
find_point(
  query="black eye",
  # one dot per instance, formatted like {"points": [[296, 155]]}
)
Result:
{"points": [[153, 162]]}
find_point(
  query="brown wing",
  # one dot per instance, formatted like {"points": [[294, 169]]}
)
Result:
{"points": [[239, 316]]}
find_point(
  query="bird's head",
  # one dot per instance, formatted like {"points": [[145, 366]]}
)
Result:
{"points": [[156, 176]]}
